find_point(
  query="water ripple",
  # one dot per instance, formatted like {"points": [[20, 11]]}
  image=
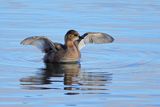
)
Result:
{"points": [[117, 58]]}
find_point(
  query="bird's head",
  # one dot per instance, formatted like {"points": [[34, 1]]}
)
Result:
{"points": [[72, 35]]}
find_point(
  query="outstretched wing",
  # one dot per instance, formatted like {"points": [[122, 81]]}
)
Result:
{"points": [[41, 42], [94, 37]]}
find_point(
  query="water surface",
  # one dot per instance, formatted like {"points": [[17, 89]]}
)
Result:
{"points": [[122, 74]]}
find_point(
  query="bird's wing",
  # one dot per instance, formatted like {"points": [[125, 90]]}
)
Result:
{"points": [[41, 42], [94, 37]]}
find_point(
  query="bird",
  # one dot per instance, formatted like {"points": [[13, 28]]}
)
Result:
{"points": [[69, 52]]}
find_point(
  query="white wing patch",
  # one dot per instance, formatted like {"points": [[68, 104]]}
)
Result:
{"points": [[81, 44], [94, 37]]}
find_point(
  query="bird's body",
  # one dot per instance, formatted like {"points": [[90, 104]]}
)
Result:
{"points": [[64, 54], [70, 51]]}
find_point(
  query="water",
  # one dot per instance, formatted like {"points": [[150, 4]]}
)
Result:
{"points": [[122, 74]]}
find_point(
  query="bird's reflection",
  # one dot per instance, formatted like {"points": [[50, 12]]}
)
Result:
{"points": [[68, 77]]}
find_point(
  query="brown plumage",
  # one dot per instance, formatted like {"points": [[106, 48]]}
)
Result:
{"points": [[70, 51]]}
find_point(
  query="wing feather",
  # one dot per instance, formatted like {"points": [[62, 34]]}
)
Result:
{"points": [[41, 42], [94, 37]]}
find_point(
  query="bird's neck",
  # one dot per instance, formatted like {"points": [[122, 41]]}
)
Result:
{"points": [[72, 48], [70, 44]]}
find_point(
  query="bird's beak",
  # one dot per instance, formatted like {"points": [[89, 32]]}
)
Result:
{"points": [[80, 37]]}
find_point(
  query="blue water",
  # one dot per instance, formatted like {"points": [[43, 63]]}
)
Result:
{"points": [[121, 74]]}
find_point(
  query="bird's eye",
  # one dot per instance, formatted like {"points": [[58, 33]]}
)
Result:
{"points": [[71, 36]]}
